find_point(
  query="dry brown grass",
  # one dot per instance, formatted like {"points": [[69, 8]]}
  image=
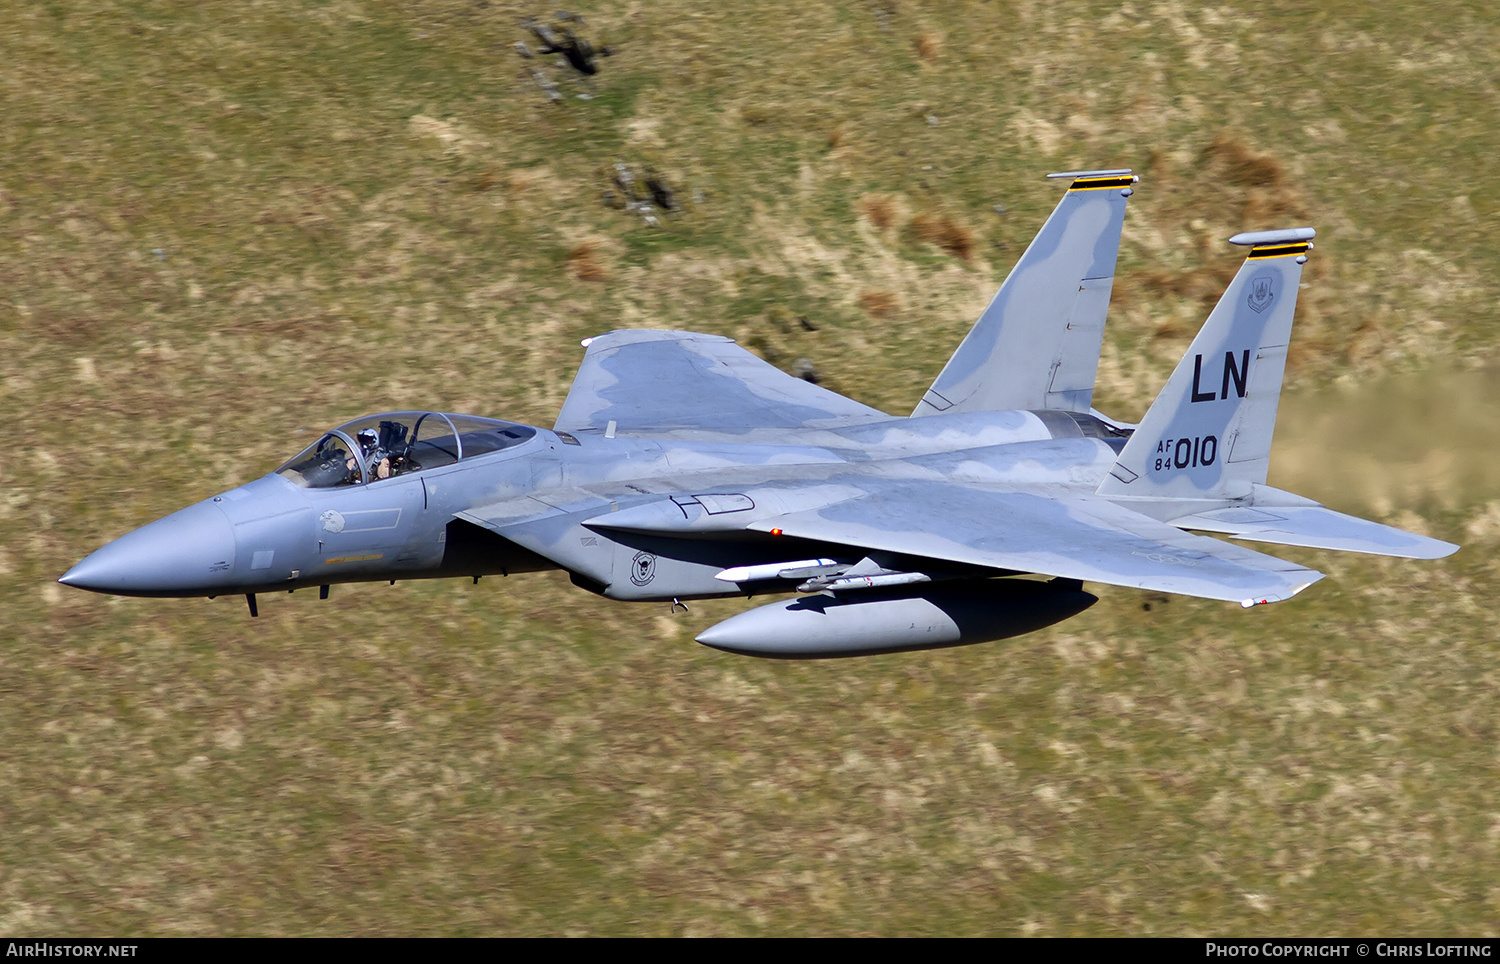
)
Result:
{"points": [[1241, 164], [1203, 285], [879, 304], [758, 115], [586, 261], [929, 45], [945, 231], [1273, 207], [882, 210], [484, 180]]}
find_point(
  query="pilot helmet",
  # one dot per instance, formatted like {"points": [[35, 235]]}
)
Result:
{"points": [[368, 438]]}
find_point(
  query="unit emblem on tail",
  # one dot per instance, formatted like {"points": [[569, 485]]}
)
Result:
{"points": [[1261, 295]]}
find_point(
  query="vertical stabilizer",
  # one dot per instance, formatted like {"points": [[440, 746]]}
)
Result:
{"points": [[1208, 434], [1037, 344]]}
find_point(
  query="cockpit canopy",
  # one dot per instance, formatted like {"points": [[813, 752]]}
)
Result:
{"points": [[379, 447]]}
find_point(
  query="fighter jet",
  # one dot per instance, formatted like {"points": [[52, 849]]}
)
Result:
{"points": [[682, 467]]}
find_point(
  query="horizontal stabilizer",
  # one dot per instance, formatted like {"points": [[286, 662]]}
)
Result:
{"points": [[1316, 528]]}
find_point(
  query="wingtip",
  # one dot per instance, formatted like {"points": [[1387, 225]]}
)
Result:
{"points": [[1281, 597], [1442, 550]]}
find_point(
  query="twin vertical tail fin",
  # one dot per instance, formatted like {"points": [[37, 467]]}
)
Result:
{"points": [[1199, 458], [1208, 435], [1037, 344]]}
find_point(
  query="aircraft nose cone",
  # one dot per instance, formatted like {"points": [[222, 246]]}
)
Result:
{"points": [[187, 553]]}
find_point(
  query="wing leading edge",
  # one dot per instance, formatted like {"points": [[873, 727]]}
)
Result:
{"points": [[660, 382]]}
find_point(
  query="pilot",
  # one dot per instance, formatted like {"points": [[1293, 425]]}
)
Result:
{"points": [[376, 457]]}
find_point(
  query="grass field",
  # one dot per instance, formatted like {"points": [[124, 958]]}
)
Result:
{"points": [[227, 226]]}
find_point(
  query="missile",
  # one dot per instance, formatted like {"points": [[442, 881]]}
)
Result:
{"points": [[800, 569], [893, 620], [835, 583]]}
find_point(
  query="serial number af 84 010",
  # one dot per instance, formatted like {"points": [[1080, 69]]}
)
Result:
{"points": [[1186, 453]]}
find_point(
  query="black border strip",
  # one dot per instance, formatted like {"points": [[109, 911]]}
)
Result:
{"points": [[1276, 251], [1091, 183]]}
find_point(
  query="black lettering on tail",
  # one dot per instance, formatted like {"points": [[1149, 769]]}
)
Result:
{"points": [[1239, 374], [1198, 395]]}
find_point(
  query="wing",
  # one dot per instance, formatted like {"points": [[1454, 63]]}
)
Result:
{"points": [[1083, 538], [660, 382]]}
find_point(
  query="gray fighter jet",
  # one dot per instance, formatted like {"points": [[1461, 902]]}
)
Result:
{"points": [[683, 467]]}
